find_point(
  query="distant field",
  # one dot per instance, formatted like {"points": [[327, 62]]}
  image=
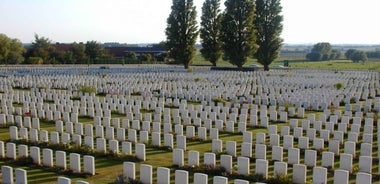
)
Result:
{"points": [[297, 60]]}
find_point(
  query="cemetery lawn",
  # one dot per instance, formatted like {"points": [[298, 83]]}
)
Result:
{"points": [[109, 167]]}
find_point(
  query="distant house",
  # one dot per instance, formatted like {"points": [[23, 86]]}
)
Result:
{"points": [[116, 52], [120, 52], [155, 51]]}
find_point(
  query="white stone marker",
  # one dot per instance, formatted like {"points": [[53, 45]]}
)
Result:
{"points": [[209, 159], [129, 170], [226, 162], [200, 178], [60, 159], [11, 150], [274, 140], [363, 178], [365, 164], [7, 174], [217, 145], [163, 175], [13, 130], [303, 143], [262, 167], [327, 159], [21, 176], [334, 146], [89, 164], [113, 146], [280, 168], [319, 175], [47, 157], [75, 164], [178, 157], [299, 173], [310, 158], [220, 180], [346, 162], [214, 133], [293, 156], [126, 148], [35, 155], [277, 153], [101, 145], [140, 151], [23, 150], [146, 172], [231, 148], [63, 180], [193, 158], [260, 151], [168, 140], [181, 142], [246, 149], [181, 177], [243, 165], [341, 176], [144, 137]]}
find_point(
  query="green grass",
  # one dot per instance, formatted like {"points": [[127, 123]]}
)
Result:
{"points": [[299, 61]]}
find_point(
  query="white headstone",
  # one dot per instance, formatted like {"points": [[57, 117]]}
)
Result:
{"points": [[140, 152], [146, 172], [181, 177], [129, 170], [163, 175], [60, 159], [75, 164], [299, 173]]}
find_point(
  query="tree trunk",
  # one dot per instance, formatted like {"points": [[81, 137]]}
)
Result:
{"points": [[266, 67]]}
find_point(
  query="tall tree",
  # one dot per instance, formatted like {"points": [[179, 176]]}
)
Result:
{"points": [[181, 31], [94, 50], [11, 50], [78, 52], [42, 48], [210, 31], [268, 23], [320, 52], [238, 32]]}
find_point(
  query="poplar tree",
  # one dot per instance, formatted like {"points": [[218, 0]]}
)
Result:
{"points": [[182, 31], [210, 31], [238, 32], [268, 23]]}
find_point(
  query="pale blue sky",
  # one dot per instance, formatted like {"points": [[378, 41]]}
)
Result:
{"points": [[144, 21]]}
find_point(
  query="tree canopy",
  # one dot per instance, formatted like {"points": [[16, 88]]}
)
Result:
{"points": [[41, 48], [182, 32], [93, 49], [356, 55], [210, 31], [238, 32], [268, 23], [323, 52], [11, 50]]}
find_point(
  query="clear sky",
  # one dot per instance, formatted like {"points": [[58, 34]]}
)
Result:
{"points": [[144, 21]]}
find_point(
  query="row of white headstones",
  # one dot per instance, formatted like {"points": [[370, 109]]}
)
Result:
{"points": [[219, 126]]}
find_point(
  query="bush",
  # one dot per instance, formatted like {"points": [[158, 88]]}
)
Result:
{"points": [[87, 89], [217, 100], [197, 79], [338, 85]]}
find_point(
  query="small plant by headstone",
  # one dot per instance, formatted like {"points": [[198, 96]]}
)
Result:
{"points": [[338, 85]]}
